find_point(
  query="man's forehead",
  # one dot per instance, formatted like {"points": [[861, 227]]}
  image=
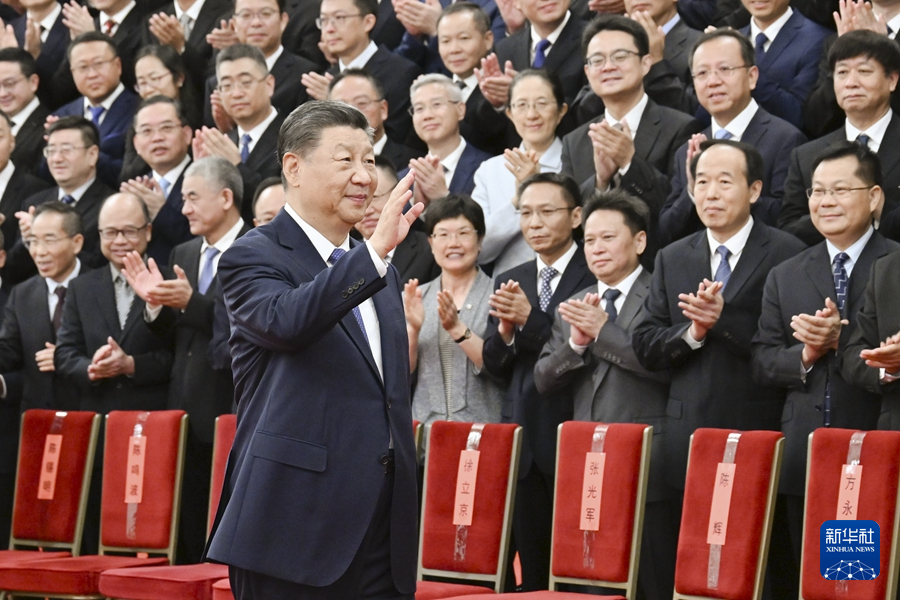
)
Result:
{"points": [[162, 111], [89, 50], [239, 68]]}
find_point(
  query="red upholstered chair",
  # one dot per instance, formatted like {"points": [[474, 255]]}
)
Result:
{"points": [[222, 590], [56, 523], [880, 458], [150, 529], [742, 563], [179, 581], [487, 538]]}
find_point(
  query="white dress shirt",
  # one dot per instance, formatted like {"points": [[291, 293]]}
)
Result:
{"points": [[258, 131], [271, 60], [23, 115], [117, 18], [360, 61], [452, 160], [624, 288], [536, 37], [52, 298], [49, 21], [5, 175], [771, 31], [670, 24], [738, 124], [471, 82], [378, 146], [875, 132], [193, 12], [560, 265], [77, 193], [106, 104], [172, 176], [222, 244]]}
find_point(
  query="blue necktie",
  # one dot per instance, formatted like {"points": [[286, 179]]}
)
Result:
{"points": [[164, 186], [761, 40], [245, 147], [863, 140], [840, 280], [336, 256], [723, 134], [539, 56], [610, 296], [96, 111], [67, 199], [547, 274], [206, 275], [723, 272]]}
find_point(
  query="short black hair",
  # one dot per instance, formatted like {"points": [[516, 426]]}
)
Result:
{"points": [[634, 211], [89, 133], [91, 36], [868, 44], [452, 206], [549, 77], [362, 73], [72, 223], [301, 132], [239, 51], [263, 186], [481, 18], [570, 191], [868, 164], [160, 99], [23, 57], [616, 23], [366, 7], [281, 5], [748, 54], [383, 162], [755, 168]]}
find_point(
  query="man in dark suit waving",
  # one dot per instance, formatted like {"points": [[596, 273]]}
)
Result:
{"points": [[320, 494]]}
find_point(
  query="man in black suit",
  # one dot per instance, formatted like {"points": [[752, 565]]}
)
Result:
{"points": [[162, 139], [346, 26], [268, 200], [866, 100], [301, 36], [632, 145], [801, 336], [18, 99], [72, 151], [522, 312], [589, 359], [41, 32], [260, 23], [246, 89], [704, 305], [357, 87], [15, 184], [725, 77]]}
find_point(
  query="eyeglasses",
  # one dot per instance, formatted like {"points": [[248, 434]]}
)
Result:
{"points": [[721, 72], [10, 84], [246, 16], [243, 84], [165, 129], [152, 81], [48, 242], [364, 103], [66, 150], [522, 106], [596, 61], [436, 106], [336, 20], [544, 214], [130, 233], [838, 192], [97, 65], [463, 235]]}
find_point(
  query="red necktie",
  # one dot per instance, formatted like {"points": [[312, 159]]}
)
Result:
{"points": [[108, 27]]}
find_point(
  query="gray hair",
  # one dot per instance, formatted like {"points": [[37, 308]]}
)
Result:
{"points": [[453, 92], [218, 171], [302, 131]]}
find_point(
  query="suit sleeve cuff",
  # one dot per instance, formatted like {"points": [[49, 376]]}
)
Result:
{"points": [[885, 377], [152, 312], [380, 264], [577, 349], [690, 341]]}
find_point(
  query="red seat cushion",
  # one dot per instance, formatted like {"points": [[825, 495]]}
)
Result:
{"points": [[222, 590], [162, 583], [434, 590], [14, 557], [79, 575]]}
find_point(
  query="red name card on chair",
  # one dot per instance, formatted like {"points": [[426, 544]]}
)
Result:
{"points": [[721, 504], [134, 476], [465, 487], [592, 491], [49, 466]]}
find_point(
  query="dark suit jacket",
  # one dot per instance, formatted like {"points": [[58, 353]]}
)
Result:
{"points": [[388, 30], [711, 386], [170, 227], [52, 92], [790, 68], [19, 265], [463, 181], [794, 217], [21, 185], [485, 128], [9, 411], [261, 163], [414, 260], [89, 318], [799, 286], [774, 138], [30, 141], [514, 365], [129, 39], [875, 322], [113, 131], [607, 382], [294, 336], [399, 154], [301, 36]]}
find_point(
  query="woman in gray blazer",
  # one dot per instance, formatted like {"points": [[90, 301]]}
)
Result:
{"points": [[446, 320]]}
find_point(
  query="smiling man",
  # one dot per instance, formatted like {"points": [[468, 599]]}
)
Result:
{"points": [[18, 99]]}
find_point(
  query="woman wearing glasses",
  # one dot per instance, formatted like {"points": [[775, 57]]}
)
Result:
{"points": [[536, 107], [446, 319]]}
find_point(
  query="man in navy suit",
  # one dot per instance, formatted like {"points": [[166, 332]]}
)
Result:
{"points": [[724, 78], [320, 495], [787, 47], [97, 70], [41, 32]]}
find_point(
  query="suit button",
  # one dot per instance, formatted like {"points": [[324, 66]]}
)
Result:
{"points": [[384, 460], [356, 286], [190, 352], [118, 386], [343, 294], [389, 404], [361, 281]]}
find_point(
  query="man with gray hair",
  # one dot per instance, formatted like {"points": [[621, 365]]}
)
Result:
{"points": [[320, 497], [185, 304]]}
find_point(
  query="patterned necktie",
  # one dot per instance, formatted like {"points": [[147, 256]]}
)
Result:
{"points": [[723, 134], [245, 147], [164, 185], [540, 54], [863, 140], [60, 292], [187, 24], [610, 296], [124, 298], [336, 256], [67, 199], [108, 27], [96, 111], [547, 275], [761, 40], [840, 279], [723, 272], [206, 276]]}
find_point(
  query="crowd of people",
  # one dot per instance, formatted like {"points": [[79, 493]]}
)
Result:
{"points": [[681, 213]]}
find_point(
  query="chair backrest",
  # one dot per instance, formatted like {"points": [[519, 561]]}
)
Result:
{"points": [[485, 542], [878, 495], [607, 557], [748, 528], [226, 426], [417, 435], [151, 525], [42, 519]]}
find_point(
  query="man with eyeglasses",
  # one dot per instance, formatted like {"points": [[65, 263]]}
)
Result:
{"points": [[162, 139], [346, 26], [725, 77], [866, 67], [18, 99], [632, 144], [259, 23], [246, 88], [97, 69], [72, 152], [357, 87], [809, 313]]}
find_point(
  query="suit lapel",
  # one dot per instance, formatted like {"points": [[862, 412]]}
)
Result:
{"points": [[37, 298], [818, 269], [263, 149], [783, 40], [405, 252], [571, 280], [106, 301], [635, 300], [874, 249], [529, 282], [648, 131], [753, 254], [889, 152], [462, 168], [756, 128]]}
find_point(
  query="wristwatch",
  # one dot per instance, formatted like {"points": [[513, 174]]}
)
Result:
{"points": [[464, 336]]}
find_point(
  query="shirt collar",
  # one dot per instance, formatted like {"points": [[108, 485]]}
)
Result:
{"points": [[260, 129], [551, 159], [894, 25], [319, 241], [271, 60], [224, 242], [633, 118], [852, 252], [50, 20], [119, 16], [452, 159], [23, 115], [5, 175], [78, 192], [623, 286], [378, 147], [52, 285], [875, 132], [671, 23], [360, 61], [173, 174], [561, 263], [536, 37], [735, 243], [738, 125], [193, 12], [471, 82], [108, 102], [773, 29]]}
